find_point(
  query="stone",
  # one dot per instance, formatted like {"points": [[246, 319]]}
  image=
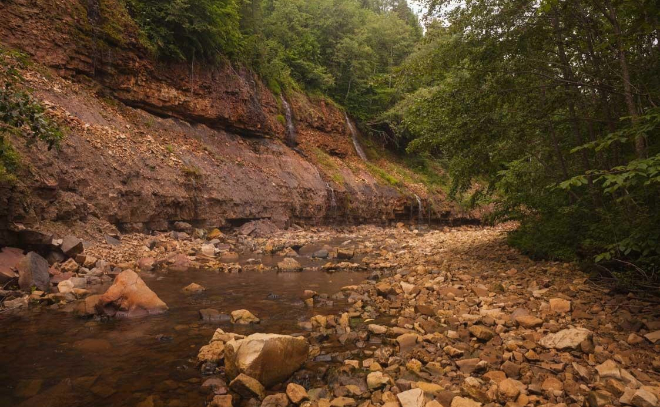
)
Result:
{"points": [[560, 305], [508, 390], [566, 339], [269, 358], [69, 266], [208, 250], [653, 337], [644, 398], [453, 352], [71, 246], [146, 263], [377, 329], [213, 352], [407, 342], [429, 388], [275, 400], [345, 253], [552, 384], [407, 288], [321, 254], [609, 368], [481, 332], [464, 402], [87, 307], [129, 297], [221, 401], [296, 393], [209, 315], [247, 387], [65, 286], [599, 398], [411, 398], [377, 380], [511, 369], [243, 317], [16, 303], [33, 272], [193, 288], [289, 265], [342, 402], [528, 321], [9, 259]]}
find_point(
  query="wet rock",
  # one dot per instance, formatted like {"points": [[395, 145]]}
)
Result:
{"points": [[213, 352], [129, 296], [87, 307], [71, 246], [209, 315], [566, 339], [33, 272], [275, 400], [247, 387], [243, 317], [296, 393], [16, 303], [269, 358], [9, 259], [411, 398], [193, 288], [289, 265]]}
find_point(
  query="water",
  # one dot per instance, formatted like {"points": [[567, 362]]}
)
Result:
{"points": [[333, 201], [122, 362], [356, 143], [290, 128], [420, 209]]}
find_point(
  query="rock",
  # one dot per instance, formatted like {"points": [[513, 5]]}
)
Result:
{"points": [[243, 317], [65, 286], [146, 263], [653, 337], [634, 339], [296, 393], [411, 398], [275, 400], [342, 402], [609, 368], [508, 390], [560, 305], [247, 387], [429, 388], [407, 342], [407, 288], [377, 380], [182, 227], [481, 332], [213, 352], [288, 265], [17, 303], [321, 254], [464, 402], [511, 369], [644, 398], [193, 288], [208, 250], [566, 339], [453, 352], [69, 266], [129, 296], [345, 253], [71, 246], [33, 272], [9, 259], [528, 321], [179, 263], [221, 401], [209, 315], [87, 307], [269, 358], [599, 398], [377, 329]]}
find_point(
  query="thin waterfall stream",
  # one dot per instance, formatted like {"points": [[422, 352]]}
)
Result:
{"points": [[290, 128], [356, 143]]}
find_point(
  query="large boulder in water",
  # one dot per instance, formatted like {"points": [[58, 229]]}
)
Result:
{"points": [[129, 297], [269, 358], [33, 272]]}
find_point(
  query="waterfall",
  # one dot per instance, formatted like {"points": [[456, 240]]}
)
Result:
{"points": [[420, 209], [290, 128], [356, 143], [333, 201]]}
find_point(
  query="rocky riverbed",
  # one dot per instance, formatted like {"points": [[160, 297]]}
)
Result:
{"points": [[318, 317]]}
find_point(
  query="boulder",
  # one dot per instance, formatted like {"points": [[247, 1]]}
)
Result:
{"points": [[289, 264], [566, 339], [9, 258], [247, 387], [71, 246], [129, 296], [87, 307], [243, 317], [213, 352], [269, 358], [33, 272]]}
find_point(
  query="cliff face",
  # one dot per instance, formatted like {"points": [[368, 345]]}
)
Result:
{"points": [[149, 144]]}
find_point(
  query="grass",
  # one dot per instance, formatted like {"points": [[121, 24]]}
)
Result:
{"points": [[328, 163]]}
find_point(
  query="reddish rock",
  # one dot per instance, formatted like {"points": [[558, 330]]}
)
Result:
{"points": [[129, 297], [9, 258]]}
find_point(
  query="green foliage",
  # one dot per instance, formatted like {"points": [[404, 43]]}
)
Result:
{"points": [[552, 106], [188, 29]]}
